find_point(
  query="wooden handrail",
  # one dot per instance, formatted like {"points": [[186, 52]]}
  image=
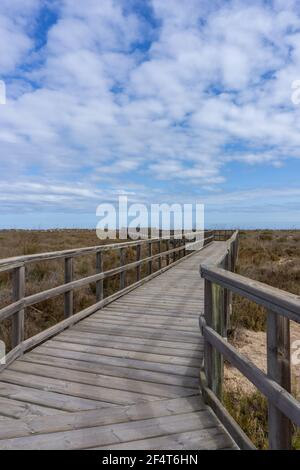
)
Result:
{"points": [[16, 261], [279, 301], [21, 301], [276, 384]]}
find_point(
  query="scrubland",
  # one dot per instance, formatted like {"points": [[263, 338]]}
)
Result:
{"points": [[272, 257]]}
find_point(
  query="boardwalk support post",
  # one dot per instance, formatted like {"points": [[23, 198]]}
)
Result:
{"points": [[279, 369], [68, 306], [18, 284]]}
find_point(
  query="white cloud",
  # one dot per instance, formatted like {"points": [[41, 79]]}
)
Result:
{"points": [[99, 110]]}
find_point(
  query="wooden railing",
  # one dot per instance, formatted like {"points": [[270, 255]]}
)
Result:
{"points": [[17, 266], [222, 235], [275, 385]]}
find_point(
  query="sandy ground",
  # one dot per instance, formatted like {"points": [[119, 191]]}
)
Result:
{"points": [[253, 345]]}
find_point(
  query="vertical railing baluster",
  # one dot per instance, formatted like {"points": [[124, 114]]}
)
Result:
{"points": [[173, 247], [138, 258], [279, 369], [99, 269], [68, 305], [122, 263], [149, 254], [159, 251], [18, 286], [167, 249], [228, 297], [218, 326], [208, 350]]}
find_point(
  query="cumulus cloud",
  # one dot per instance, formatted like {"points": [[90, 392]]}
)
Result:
{"points": [[116, 95]]}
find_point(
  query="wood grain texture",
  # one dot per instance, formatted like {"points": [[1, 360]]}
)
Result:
{"points": [[127, 376]]}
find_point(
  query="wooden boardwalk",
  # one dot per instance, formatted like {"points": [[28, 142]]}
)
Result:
{"points": [[126, 377]]}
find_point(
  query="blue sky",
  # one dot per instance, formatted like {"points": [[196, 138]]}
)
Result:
{"points": [[163, 100]]}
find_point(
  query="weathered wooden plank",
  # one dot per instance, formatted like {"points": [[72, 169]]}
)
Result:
{"points": [[19, 410], [40, 337], [159, 334], [113, 434], [158, 378], [74, 389], [119, 322], [101, 380], [70, 351], [202, 439], [48, 399], [123, 353], [145, 318], [114, 328], [129, 346], [105, 416], [139, 343]]}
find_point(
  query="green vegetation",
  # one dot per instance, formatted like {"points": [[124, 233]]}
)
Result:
{"points": [[272, 257], [250, 412]]}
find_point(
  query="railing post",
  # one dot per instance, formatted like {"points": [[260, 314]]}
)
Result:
{"points": [[173, 247], [167, 249], [218, 326], [183, 243], [138, 258], [18, 285], [227, 299], [122, 263], [208, 350], [279, 369], [99, 269], [149, 254], [159, 251], [68, 306]]}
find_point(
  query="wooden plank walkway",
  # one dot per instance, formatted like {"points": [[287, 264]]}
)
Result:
{"points": [[126, 377]]}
